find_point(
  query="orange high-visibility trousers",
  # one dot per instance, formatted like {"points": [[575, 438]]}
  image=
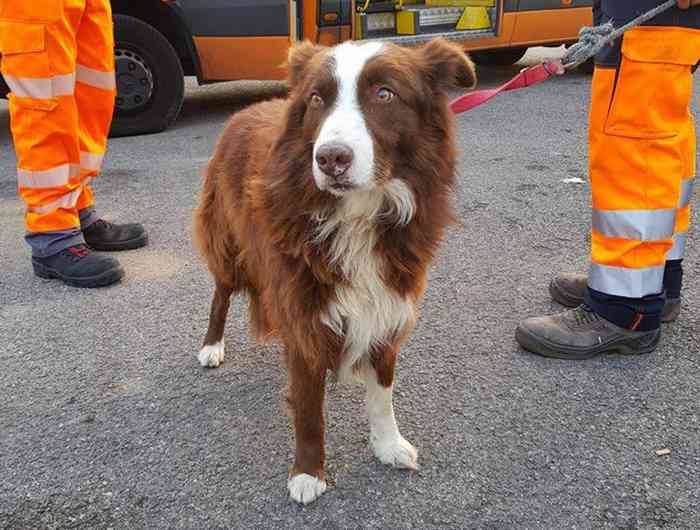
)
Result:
{"points": [[642, 160], [58, 60]]}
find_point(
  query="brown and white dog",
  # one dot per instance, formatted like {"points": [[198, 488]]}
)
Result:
{"points": [[326, 209]]}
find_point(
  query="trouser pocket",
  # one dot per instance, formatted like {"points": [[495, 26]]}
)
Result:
{"points": [[654, 83], [26, 67], [31, 10]]}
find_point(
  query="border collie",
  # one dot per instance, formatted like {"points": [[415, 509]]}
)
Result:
{"points": [[326, 209]]}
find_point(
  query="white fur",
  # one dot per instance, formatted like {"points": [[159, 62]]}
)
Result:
{"points": [[401, 201], [346, 123], [387, 443], [366, 311], [212, 355], [305, 488]]}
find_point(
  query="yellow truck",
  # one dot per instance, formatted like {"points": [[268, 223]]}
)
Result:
{"points": [[159, 42]]}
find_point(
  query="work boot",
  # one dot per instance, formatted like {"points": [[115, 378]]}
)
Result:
{"points": [[581, 333], [106, 236], [569, 289], [79, 267]]}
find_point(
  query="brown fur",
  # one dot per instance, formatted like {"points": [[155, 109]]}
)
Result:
{"points": [[255, 222]]}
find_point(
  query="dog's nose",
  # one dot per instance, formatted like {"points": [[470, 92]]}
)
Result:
{"points": [[334, 158]]}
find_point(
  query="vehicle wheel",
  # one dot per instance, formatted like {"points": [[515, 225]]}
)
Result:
{"points": [[504, 57], [150, 80]]}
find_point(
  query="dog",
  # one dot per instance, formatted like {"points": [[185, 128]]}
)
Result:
{"points": [[326, 208]]}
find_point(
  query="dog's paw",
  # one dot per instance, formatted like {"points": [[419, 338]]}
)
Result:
{"points": [[305, 488], [396, 451], [212, 355]]}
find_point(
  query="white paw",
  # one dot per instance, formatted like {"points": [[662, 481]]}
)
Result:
{"points": [[396, 451], [212, 355], [305, 488]]}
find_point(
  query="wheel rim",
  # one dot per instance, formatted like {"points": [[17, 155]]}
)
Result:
{"points": [[135, 84]]}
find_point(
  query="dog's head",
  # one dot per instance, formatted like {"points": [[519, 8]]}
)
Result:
{"points": [[365, 107]]}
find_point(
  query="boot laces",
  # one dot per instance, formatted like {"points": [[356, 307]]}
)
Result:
{"points": [[77, 252], [102, 223], [584, 316]]}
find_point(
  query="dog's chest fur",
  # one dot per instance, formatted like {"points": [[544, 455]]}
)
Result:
{"points": [[367, 312]]}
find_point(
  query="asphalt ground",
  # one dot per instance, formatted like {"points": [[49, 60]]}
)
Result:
{"points": [[108, 421]]}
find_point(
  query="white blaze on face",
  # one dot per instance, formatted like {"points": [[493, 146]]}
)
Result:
{"points": [[345, 122]]}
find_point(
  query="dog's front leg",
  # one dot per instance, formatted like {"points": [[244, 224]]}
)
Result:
{"points": [[212, 352], [387, 443], [306, 393]]}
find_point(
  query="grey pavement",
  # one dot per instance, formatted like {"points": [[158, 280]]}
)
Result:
{"points": [[107, 420]]}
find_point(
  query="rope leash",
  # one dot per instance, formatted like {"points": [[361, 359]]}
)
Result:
{"points": [[591, 41]]}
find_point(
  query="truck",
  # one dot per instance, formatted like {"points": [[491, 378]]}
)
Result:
{"points": [[160, 42]]}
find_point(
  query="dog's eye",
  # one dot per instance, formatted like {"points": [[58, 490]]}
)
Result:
{"points": [[384, 94], [315, 100]]}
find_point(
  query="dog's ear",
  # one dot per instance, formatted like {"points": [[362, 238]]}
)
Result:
{"points": [[298, 60], [447, 65]]}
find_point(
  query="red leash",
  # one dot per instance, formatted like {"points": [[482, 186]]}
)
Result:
{"points": [[527, 77]]}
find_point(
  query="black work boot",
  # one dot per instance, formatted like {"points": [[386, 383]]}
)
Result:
{"points": [[79, 267], [106, 236], [569, 289], [581, 333]]}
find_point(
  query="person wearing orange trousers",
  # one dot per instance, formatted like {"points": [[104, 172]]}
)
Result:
{"points": [[58, 60], [642, 166]]}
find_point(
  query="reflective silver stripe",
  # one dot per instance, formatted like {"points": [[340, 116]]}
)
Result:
{"points": [[41, 88], [63, 85], [91, 161], [96, 78], [631, 283], [639, 225], [69, 200], [686, 192], [678, 249], [48, 178]]}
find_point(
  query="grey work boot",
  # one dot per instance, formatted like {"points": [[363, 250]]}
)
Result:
{"points": [[568, 290], [108, 237], [581, 333], [79, 267]]}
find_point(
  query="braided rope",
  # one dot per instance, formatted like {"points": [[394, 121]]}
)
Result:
{"points": [[594, 39]]}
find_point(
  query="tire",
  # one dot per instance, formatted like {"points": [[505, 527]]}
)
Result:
{"points": [[150, 79], [502, 57]]}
